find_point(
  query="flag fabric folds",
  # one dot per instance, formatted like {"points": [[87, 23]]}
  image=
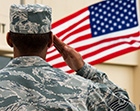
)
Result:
{"points": [[99, 32]]}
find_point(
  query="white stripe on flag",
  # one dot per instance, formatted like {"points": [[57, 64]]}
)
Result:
{"points": [[108, 52], [72, 21], [79, 26]]}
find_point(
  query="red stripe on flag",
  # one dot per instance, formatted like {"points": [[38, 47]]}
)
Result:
{"points": [[81, 38], [115, 54], [72, 26], [53, 57], [84, 47], [107, 48], [69, 17], [51, 50], [77, 31], [61, 64]]}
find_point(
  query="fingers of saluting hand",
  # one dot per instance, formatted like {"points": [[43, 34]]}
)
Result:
{"points": [[59, 45], [64, 49], [58, 42]]}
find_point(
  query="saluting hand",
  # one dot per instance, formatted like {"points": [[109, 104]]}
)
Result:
{"points": [[72, 58]]}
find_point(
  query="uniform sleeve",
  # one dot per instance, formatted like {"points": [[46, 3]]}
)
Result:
{"points": [[115, 97]]}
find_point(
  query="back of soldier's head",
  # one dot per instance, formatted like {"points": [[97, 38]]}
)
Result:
{"points": [[30, 26]]}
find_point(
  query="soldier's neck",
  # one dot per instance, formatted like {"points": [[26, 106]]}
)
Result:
{"points": [[41, 54]]}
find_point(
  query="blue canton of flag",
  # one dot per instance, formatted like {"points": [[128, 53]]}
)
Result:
{"points": [[112, 15]]}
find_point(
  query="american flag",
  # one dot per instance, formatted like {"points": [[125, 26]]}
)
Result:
{"points": [[99, 32]]}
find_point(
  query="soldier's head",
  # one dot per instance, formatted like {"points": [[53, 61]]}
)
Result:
{"points": [[30, 28]]}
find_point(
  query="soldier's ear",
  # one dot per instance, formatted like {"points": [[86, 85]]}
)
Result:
{"points": [[50, 40], [9, 41]]}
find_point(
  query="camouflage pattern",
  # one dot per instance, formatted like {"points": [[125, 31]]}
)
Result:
{"points": [[31, 84], [30, 19]]}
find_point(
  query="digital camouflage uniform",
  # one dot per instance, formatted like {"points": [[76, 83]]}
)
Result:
{"points": [[31, 84]]}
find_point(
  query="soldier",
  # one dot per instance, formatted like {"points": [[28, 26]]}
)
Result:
{"points": [[29, 83]]}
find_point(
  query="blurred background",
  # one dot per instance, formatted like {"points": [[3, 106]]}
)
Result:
{"points": [[123, 70]]}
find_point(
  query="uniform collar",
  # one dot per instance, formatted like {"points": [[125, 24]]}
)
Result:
{"points": [[26, 61]]}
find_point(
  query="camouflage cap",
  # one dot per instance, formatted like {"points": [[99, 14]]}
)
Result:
{"points": [[30, 19]]}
